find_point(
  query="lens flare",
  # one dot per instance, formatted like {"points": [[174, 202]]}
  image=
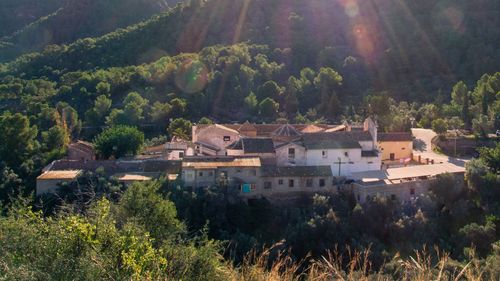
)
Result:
{"points": [[455, 18], [191, 76], [351, 8], [364, 42]]}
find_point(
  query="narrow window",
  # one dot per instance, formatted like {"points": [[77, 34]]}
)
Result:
{"points": [[200, 174], [181, 154], [291, 153], [412, 191], [346, 154], [290, 183], [324, 153], [280, 182], [393, 197], [268, 185], [321, 182]]}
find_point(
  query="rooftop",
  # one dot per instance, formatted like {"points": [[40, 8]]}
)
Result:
{"points": [[335, 140], [297, 171], [253, 145], [220, 161], [265, 130], [407, 172], [132, 177], [403, 136], [60, 175]]}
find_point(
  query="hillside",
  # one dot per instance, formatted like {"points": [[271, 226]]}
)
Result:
{"points": [[15, 14], [75, 19], [413, 50]]}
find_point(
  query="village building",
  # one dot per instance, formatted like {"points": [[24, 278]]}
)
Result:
{"points": [[293, 179], [258, 147], [199, 172], [336, 146], [403, 184], [395, 146], [50, 181], [125, 171], [81, 150]]}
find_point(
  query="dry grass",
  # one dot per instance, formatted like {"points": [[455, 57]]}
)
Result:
{"points": [[272, 264]]}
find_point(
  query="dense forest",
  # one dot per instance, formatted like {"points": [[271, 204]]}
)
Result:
{"points": [[430, 64]]}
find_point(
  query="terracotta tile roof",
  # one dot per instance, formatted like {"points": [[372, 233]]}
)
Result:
{"points": [[220, 161], [60, 175], [297, 171], [115, 167], [312, 129], [263, 130], [395, 137], [132, 178]]}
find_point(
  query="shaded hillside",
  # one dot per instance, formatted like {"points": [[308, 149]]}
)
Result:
{"points": [[78, 19], [15, 14], [406, 47]]}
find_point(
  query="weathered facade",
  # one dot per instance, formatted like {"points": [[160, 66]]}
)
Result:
{"points": [[82, 151], [395, 146], [403, 184], [49, 181], [199, 172]]}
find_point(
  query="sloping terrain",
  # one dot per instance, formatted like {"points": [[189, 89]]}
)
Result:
{"points": [[76, 19]]}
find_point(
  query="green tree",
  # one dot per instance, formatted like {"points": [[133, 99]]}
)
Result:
{"points": [[119, 141], [439, 126], [180, 128], [18, 139], [206, 121], [481, 126], [160, 112], [269, 89], [96, 115], [268, 108], [56, 137], [461, 97]]}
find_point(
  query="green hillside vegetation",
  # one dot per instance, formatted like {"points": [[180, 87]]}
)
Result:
{"points": [[95, 230], [418, 50], [15, 14], [77, 19], [431, 63]]}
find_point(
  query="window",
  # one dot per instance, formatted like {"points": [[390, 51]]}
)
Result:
{"points": [[403, 148], [412, 191], [351, 163], [268, 185], [227, 138], [291, 153], [321, 182], [280, 182], [324, 153], [200, 174], [393, 197], [238, 171], [181, 154], [346, 154], [370, 162], [210, 174], [290, 183], [309, 182]]}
